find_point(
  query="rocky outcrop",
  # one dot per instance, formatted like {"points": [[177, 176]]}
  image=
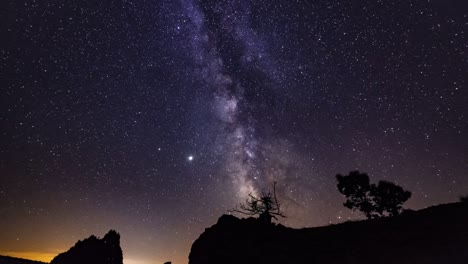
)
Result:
{"points": [[431, 236], [93, 250]]}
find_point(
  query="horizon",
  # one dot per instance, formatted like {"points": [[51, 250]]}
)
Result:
{"points": [[154, 118], [47, 257]]}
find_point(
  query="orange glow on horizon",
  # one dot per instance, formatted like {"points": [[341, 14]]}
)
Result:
{"points": [[48, 256], [37, 256]]}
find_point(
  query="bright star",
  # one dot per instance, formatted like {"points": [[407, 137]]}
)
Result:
{"points": [[190, 158]]}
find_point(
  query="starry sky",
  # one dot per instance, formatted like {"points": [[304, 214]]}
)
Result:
{"points": [[154, 117]]}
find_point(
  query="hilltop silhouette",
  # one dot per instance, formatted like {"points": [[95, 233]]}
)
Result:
{"points": [[93, 250], [434, 235], [437, 234]]}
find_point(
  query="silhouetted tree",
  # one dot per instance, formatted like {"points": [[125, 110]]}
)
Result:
{"points": [[266, 206], [385, 198], [389, 198], [356, 187]]}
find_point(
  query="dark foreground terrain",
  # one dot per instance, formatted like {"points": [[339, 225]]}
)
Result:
{"points": [[434, 235], [10, 260], [92, 250]]}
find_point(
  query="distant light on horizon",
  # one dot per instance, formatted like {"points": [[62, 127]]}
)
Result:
{"points": [[37, 256]]}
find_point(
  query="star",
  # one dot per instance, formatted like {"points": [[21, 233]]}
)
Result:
{"points": [[190, 158]]}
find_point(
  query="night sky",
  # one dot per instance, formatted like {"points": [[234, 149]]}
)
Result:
{"points": [[156, 117]]}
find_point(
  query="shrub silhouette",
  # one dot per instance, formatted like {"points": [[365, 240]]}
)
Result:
{"points": [[266, 206], [383, 199]]}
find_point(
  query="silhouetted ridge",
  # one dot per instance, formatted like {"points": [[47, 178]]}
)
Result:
{"points": [[93, 250], [434, 235], [12, 260]]}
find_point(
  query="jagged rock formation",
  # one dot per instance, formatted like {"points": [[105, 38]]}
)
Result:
{"points": [[93, 250], [431, 236]]}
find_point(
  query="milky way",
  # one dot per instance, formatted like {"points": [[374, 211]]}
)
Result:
{"points": [[234, 65]]}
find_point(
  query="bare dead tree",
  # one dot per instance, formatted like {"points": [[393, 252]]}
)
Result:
{"points": [[266, 206]]}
